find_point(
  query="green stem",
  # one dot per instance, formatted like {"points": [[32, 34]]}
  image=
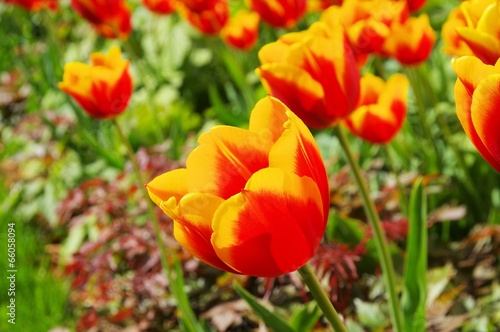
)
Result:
{"points": [[146, 67], [191, 324], [154, 218], [324, 303], [380, 240]]}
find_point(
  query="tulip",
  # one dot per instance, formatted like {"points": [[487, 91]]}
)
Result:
{"points": [[103, 88], [35, 5], [415, 5], [453, 43], [381, 108], [312, 72], [477, 96], [254, 201], [161, 7], [410, 42], [484, 38], [280, 13], [111, 18], [209, 17], [242, 30]]}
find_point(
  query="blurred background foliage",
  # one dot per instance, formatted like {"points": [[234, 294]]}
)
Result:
{"points": [[66, 181]]}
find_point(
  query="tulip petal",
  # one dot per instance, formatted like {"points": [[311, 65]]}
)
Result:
{"points": [[485, 113], [272, 227], [463, 99], [297, 89], [334, 68], [225, 160], [268, 117], [296, 151], [193, 226], [167, 185]]}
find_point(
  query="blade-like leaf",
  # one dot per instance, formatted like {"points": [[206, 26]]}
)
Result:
{"points": [[414, 291], [272, 320], [306, 317]]}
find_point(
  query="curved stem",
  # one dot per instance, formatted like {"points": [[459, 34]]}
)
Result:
{"points": [[154, 218], [324, 303], [380, 240]]}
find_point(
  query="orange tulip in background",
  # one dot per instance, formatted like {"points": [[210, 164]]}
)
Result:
{"points": [[208, 16], [161, 7], [411, 42], [35, 5], [103, 88], [242, 30], [381, 108], [473, 28], [477, 97], [383, 27], [313, 72], [111, 18], [280, 13], [252, 201], [484, 38]]}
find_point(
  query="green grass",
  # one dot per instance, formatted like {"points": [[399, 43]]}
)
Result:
{"points": [[41, 299]]}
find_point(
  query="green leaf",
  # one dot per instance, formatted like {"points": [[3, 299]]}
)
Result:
{"points": [[272, 320], [306, 317], [187, 318], [372, 315], [414, 291]]}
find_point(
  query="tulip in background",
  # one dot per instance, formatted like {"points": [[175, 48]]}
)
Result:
{"points": [[111, 18], [411, 42], [385, 28], [280, 13], [103, 88], [314, 73], [34, 5], [208, 17], [473, 29], [242, 30], [381, 108], [161, 7], [477, 96], [252, 201], [484, 38]]}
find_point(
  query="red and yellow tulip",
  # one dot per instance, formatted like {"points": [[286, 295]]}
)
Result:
{"points": [[472, 29], [410, 42], [381, 108], [103, 88], [35, 5], [313, 72], [484, 38], [111, 18], [208, 16], [242, 30], [477, 96], [254, 201], [280, 13], [161, 7]]}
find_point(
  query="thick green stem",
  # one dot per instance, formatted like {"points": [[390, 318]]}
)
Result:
{"points": [[380, 240], [321, 298]]}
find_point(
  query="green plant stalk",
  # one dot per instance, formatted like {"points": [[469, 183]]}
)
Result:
{"points": [[386, 263], [168, 269], [160, 137], [446, 131], [324, 303]]}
